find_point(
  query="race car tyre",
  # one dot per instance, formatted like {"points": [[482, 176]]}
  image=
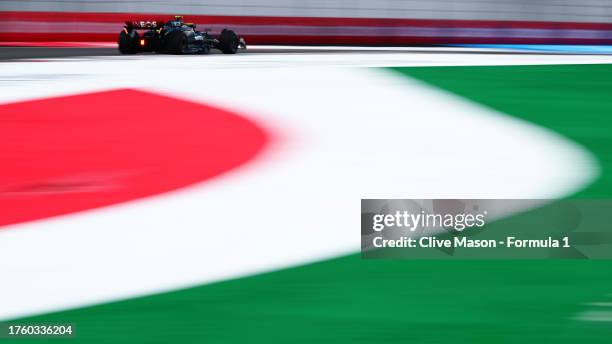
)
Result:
{"points": [[128, 42], [177, 43], [228, 42]]}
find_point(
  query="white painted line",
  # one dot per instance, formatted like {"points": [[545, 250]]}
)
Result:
{"points": [[105, 65], [598, 316], [600, 304]]}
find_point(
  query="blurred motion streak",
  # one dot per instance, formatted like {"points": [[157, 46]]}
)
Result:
{"points": [[406, 22]]}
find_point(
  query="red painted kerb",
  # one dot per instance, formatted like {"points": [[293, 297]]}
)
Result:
{"points": [[67, 154]]}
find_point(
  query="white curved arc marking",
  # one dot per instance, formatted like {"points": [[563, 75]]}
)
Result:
{"points": [[350, 134]]}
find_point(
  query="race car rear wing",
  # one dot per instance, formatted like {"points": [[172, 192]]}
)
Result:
{"points": [[144, 24]]}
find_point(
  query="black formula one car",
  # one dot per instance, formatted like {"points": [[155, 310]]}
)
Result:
{"points": [[175, 37]]}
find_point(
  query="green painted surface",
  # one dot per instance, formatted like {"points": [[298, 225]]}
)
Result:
{"points": [[349, 300]]}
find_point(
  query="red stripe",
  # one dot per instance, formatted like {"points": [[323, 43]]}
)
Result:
{"points": [[119, 18], [60, 44], [62, 155]]}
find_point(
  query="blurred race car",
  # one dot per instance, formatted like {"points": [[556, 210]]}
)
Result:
{"points": [[175, 37]]}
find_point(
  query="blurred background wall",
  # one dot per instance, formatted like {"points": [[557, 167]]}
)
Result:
{"points": [[325, 21]]}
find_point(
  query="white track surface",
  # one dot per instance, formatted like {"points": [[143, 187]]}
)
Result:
{"points": [[342, 134]]}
